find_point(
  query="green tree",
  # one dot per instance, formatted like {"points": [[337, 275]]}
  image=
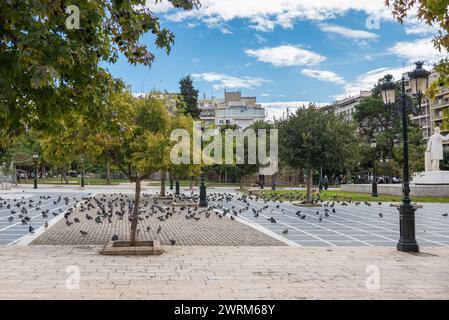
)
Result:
{"points": [[136, 137], [310, 139], [190, 97], [50, 67]]}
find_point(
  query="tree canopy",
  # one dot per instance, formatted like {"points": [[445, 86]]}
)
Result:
{"points": [[50, 68]]}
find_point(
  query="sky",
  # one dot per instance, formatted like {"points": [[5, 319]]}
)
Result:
{"points": [[287, 53]]}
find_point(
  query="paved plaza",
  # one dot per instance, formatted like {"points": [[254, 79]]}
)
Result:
{"points": [[195, 272], [204, 228], [351, 225], [55, 203]]}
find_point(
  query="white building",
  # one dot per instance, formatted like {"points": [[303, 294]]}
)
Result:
{"points": [[347, 106], [232, 110]]}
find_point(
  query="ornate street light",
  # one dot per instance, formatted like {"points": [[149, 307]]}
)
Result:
{"points": [[419, 82], [374, 181], [35, 159]]}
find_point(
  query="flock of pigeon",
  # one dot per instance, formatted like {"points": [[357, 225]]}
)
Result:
{"points": [[103, 208], [23, 209]]}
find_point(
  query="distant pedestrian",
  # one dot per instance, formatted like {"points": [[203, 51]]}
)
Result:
{"points": [[325, 182]]}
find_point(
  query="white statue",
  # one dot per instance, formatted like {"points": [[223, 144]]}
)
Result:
{"points": [[434, 152]]}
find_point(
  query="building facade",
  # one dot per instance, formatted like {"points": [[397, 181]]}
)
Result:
{"points": [[232, 110], [347, 106]]}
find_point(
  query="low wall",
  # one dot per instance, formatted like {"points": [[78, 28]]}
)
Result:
{"points": [[396, 189]]}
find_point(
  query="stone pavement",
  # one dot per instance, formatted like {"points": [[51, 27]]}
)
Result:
{"points": [[211, 231], [351, 225], [50, 272]]}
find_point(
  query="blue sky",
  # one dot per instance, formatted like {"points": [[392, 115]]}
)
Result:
{"points": [[284, 52]]}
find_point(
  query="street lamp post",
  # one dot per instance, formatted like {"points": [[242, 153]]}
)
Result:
{"points": [[419, 82], [203, 197], [171, 181], [374, 181], [82, 171], [35, 159], [273, 182], [177, 192]]}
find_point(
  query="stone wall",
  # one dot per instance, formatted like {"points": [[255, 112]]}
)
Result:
{"points": [[396, 189]]}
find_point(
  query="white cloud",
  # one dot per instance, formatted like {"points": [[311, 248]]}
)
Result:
{"points": [[421, 49], [279, 109], [286, 56], [367, 80], [221, 81], [323, 75], [349, 33], [267, 14]]}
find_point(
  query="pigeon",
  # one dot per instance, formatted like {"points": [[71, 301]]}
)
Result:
{"points": [[445, 214], [232, 218], [11, 218], [31, 229], [114, 237], [88, 217], [76, 220], [46, 225], [83, 233], [381, 215], [172, 242], [159, 229], [285, 231], [321, 218]]}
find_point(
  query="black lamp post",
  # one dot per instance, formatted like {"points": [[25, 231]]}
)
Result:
{"points": [[273, 182], [418, 82], [82, 171], [177, 187], [203, 197], [35, 159], [171, 181], [374, 181]]}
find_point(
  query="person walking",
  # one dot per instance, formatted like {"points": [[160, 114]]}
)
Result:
{"points": [[325, 182]]}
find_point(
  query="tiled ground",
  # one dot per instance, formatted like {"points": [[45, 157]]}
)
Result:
{"points": [[51, 272], [352, 225], [211, 231], [11, 231]]}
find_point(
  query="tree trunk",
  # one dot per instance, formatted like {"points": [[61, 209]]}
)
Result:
{"points": [[108, 172], [64, 175], [135, 214], [163, 176], [309, 185]]}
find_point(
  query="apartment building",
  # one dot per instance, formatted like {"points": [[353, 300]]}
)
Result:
{"points": [[347, 106], [233, 109]]}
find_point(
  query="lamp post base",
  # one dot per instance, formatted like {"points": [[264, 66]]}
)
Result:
{"points": [[374, 190], [177, 191], [407, 241]]}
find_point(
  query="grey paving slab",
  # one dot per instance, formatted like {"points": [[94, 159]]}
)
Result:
{"points": [[350, 225], [12, 231]]}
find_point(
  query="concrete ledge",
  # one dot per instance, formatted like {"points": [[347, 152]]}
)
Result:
{"points": [[396, 189], [123, 248]]}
